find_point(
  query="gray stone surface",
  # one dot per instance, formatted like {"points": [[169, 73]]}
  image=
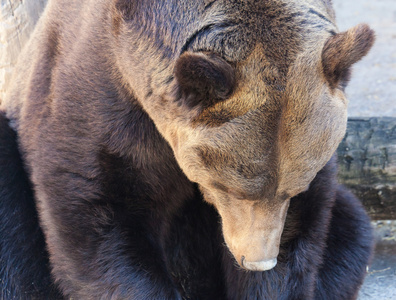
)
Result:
{"points": [[380, 283]]}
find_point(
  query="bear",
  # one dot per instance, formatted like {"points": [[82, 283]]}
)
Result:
{"points": [[24, 265], [181, 150]]}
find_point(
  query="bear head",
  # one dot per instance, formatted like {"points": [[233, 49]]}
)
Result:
{"points": [[249, 95]]}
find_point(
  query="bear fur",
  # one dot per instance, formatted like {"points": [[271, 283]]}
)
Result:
{"points": [[24, 267], [135, 147]]}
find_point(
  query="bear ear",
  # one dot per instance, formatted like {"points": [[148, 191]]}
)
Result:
{"points": [[344, 49], [204, 79]]}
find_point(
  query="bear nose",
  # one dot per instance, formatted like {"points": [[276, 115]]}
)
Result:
{"points": [[262, 265]]}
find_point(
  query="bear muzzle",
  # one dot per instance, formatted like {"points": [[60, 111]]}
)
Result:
{"points": [[263, 265], [252, 232]]}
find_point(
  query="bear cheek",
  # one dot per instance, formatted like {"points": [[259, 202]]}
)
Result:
{"points": [[253, 231]]}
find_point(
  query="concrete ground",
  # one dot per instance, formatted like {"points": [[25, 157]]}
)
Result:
{"points": [[372, 93], [380, 282]]}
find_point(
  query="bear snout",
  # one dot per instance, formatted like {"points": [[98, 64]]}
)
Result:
{"points": [[263, 265]]}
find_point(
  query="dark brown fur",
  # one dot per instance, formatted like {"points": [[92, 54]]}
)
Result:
{"points": [[204, 79], [130, 122], [342, 50]]}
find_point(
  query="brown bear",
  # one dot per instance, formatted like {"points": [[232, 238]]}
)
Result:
{"points": [[181, 150]]}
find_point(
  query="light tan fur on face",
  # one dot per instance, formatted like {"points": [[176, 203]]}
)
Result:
{"points": [[313, 124], [246, 235], [280, 126]]}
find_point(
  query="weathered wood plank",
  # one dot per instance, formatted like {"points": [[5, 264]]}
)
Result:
{"points": [[17, 21], [367, 164]]}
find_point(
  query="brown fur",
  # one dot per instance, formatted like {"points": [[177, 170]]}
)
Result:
{"points": [[344, 49], [204, 79], [302, 123], [112, 96]]}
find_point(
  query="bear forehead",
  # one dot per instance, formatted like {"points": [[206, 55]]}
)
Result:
{"points": [[273, 34], [233, 28]]}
